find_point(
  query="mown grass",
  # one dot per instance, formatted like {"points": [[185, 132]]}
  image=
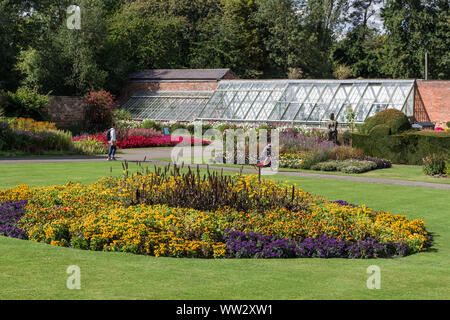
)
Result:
{"points": [[37, 271], [396, 172]]}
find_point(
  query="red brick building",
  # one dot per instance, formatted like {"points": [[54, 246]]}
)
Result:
{"points": [[175, 80], [432, 101]]}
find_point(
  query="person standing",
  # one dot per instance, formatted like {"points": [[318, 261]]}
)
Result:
{"points": [[111, 137]]}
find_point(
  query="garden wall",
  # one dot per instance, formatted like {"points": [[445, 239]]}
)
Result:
{"points": [[434, 98], [67, 111]]}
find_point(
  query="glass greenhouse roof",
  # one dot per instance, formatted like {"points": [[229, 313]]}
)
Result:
{"points": [[167, 105], [290, 101], [306, 101]]}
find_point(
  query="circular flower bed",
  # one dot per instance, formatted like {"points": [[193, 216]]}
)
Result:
{"points": [[176, 214]]}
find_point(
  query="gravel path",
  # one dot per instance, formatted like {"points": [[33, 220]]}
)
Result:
{"points": [[150, 154]]}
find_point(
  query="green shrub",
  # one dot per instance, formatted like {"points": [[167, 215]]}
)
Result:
{"points": [[326, 166], [99, 111], [394, 119], [347, 138], [176, 126], [410, 147], [357, 166], [447, 168], [25, 103], [90, 146], [346, 166], [448, 123], [122, 115], [315, 158], [150, 124], [34, 142], [380, 131], [434, 164]]}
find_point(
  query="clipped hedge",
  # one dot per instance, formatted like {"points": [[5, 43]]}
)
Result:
{"points": [[409, 147]]}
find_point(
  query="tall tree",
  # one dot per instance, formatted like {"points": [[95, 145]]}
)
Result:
{"points": [[231, 39], [414, 27]]}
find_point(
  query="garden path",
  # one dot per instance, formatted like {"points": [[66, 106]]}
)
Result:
{"points": [[152, 154]]}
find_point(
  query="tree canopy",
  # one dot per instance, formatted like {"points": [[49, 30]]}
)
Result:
{"points": [[255, 38]]}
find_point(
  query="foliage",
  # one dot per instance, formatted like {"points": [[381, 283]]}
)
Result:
{"points": [[145, 39], [313, 141], [99, 110], [381, 163], [150, 124], [434, 164], [71, 62], [414, 28], [34, 141], [255, 38], [346, 166], [343, 72], [350, 116], [90, 146], [28, 124], [121, 115], [395, 120], [26, 103], [407, 148]]}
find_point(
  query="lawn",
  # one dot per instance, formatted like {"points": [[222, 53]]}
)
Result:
{"points": [[396, 172], [38, 271]]}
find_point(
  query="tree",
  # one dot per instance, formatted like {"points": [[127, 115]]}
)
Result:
{"points": [[70, 61], [231, 39], [414, 27], [361, 47], [146, 40]]}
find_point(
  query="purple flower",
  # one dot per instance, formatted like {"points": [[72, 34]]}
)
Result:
{"points": [[10, 215], [253, 245]]}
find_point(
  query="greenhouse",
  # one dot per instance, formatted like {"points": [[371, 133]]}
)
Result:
{"points": [[167, 106], [288, 101]]}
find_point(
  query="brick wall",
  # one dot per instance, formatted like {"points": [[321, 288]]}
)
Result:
{"points": [[433, 98], [67, 111], [132, 87]]}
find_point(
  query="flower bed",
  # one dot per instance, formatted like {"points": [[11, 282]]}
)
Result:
{"points": [[130, 142], [146, 214]]}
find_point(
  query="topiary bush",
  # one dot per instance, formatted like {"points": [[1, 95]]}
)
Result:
{"points": [[395, 120]]}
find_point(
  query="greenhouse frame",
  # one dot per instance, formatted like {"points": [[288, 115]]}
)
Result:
{"points": [[308, 102]]}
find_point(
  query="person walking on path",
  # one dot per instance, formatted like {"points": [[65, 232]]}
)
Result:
{"points": [[111, 137]]}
